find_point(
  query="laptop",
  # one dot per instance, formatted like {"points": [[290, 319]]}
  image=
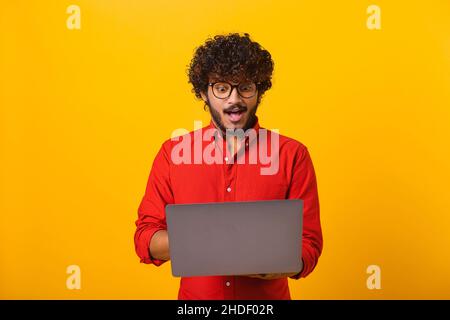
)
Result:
{"points": [[235, 238]]}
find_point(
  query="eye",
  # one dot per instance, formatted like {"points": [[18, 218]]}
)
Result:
{"points": [[247, 87], [221, 87]]}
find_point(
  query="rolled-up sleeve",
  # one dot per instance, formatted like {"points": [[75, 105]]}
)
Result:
{"points": [[151, 211], [304, 186]]}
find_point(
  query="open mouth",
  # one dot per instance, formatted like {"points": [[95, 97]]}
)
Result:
{"points": [[235, 115]]}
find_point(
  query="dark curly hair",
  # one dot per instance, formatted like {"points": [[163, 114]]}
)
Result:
{"points": [[231, 57]]}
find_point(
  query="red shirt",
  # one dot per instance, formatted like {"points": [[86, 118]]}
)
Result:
{"points": [[183, 183]]}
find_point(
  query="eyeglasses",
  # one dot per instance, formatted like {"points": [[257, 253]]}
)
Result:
{"points": [[222, 90]]}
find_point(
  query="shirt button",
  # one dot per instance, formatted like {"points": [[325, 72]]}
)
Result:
{"points": [[228, 283], [229, 189]]}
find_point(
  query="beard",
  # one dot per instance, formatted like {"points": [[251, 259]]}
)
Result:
{"points": [[215, 115]]}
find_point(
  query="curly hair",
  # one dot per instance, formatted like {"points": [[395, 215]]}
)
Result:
{"points": [[230, 57]]}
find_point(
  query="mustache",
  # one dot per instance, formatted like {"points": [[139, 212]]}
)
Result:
{"points": [[235, 108]]}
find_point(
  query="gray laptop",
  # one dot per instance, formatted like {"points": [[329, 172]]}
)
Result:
{"points": [[235, 238]]}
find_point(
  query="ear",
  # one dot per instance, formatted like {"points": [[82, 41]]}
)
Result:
{"points": [[203, 96]]}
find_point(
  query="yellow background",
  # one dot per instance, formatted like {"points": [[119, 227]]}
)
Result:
{"points": [[83, 113]]}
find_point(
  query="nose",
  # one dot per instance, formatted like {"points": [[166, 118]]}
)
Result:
{"points": [[234, 97]]}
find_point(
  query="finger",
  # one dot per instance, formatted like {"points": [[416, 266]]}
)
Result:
{"points": [[259, 276], [272, 276]]}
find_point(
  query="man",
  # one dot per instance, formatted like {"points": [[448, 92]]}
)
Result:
{"points": [[230, 73]]}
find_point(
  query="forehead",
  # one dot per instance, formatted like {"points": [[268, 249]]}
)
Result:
{"points": [[230, 79]]}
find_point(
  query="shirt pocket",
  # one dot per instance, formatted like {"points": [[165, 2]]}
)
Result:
{"points": [[264, 188]]}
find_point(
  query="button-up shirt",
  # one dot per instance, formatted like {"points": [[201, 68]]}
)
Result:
{"points": [[178, 177]]}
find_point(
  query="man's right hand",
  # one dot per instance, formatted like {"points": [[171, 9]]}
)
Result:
{"points": [[159, 245]]}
